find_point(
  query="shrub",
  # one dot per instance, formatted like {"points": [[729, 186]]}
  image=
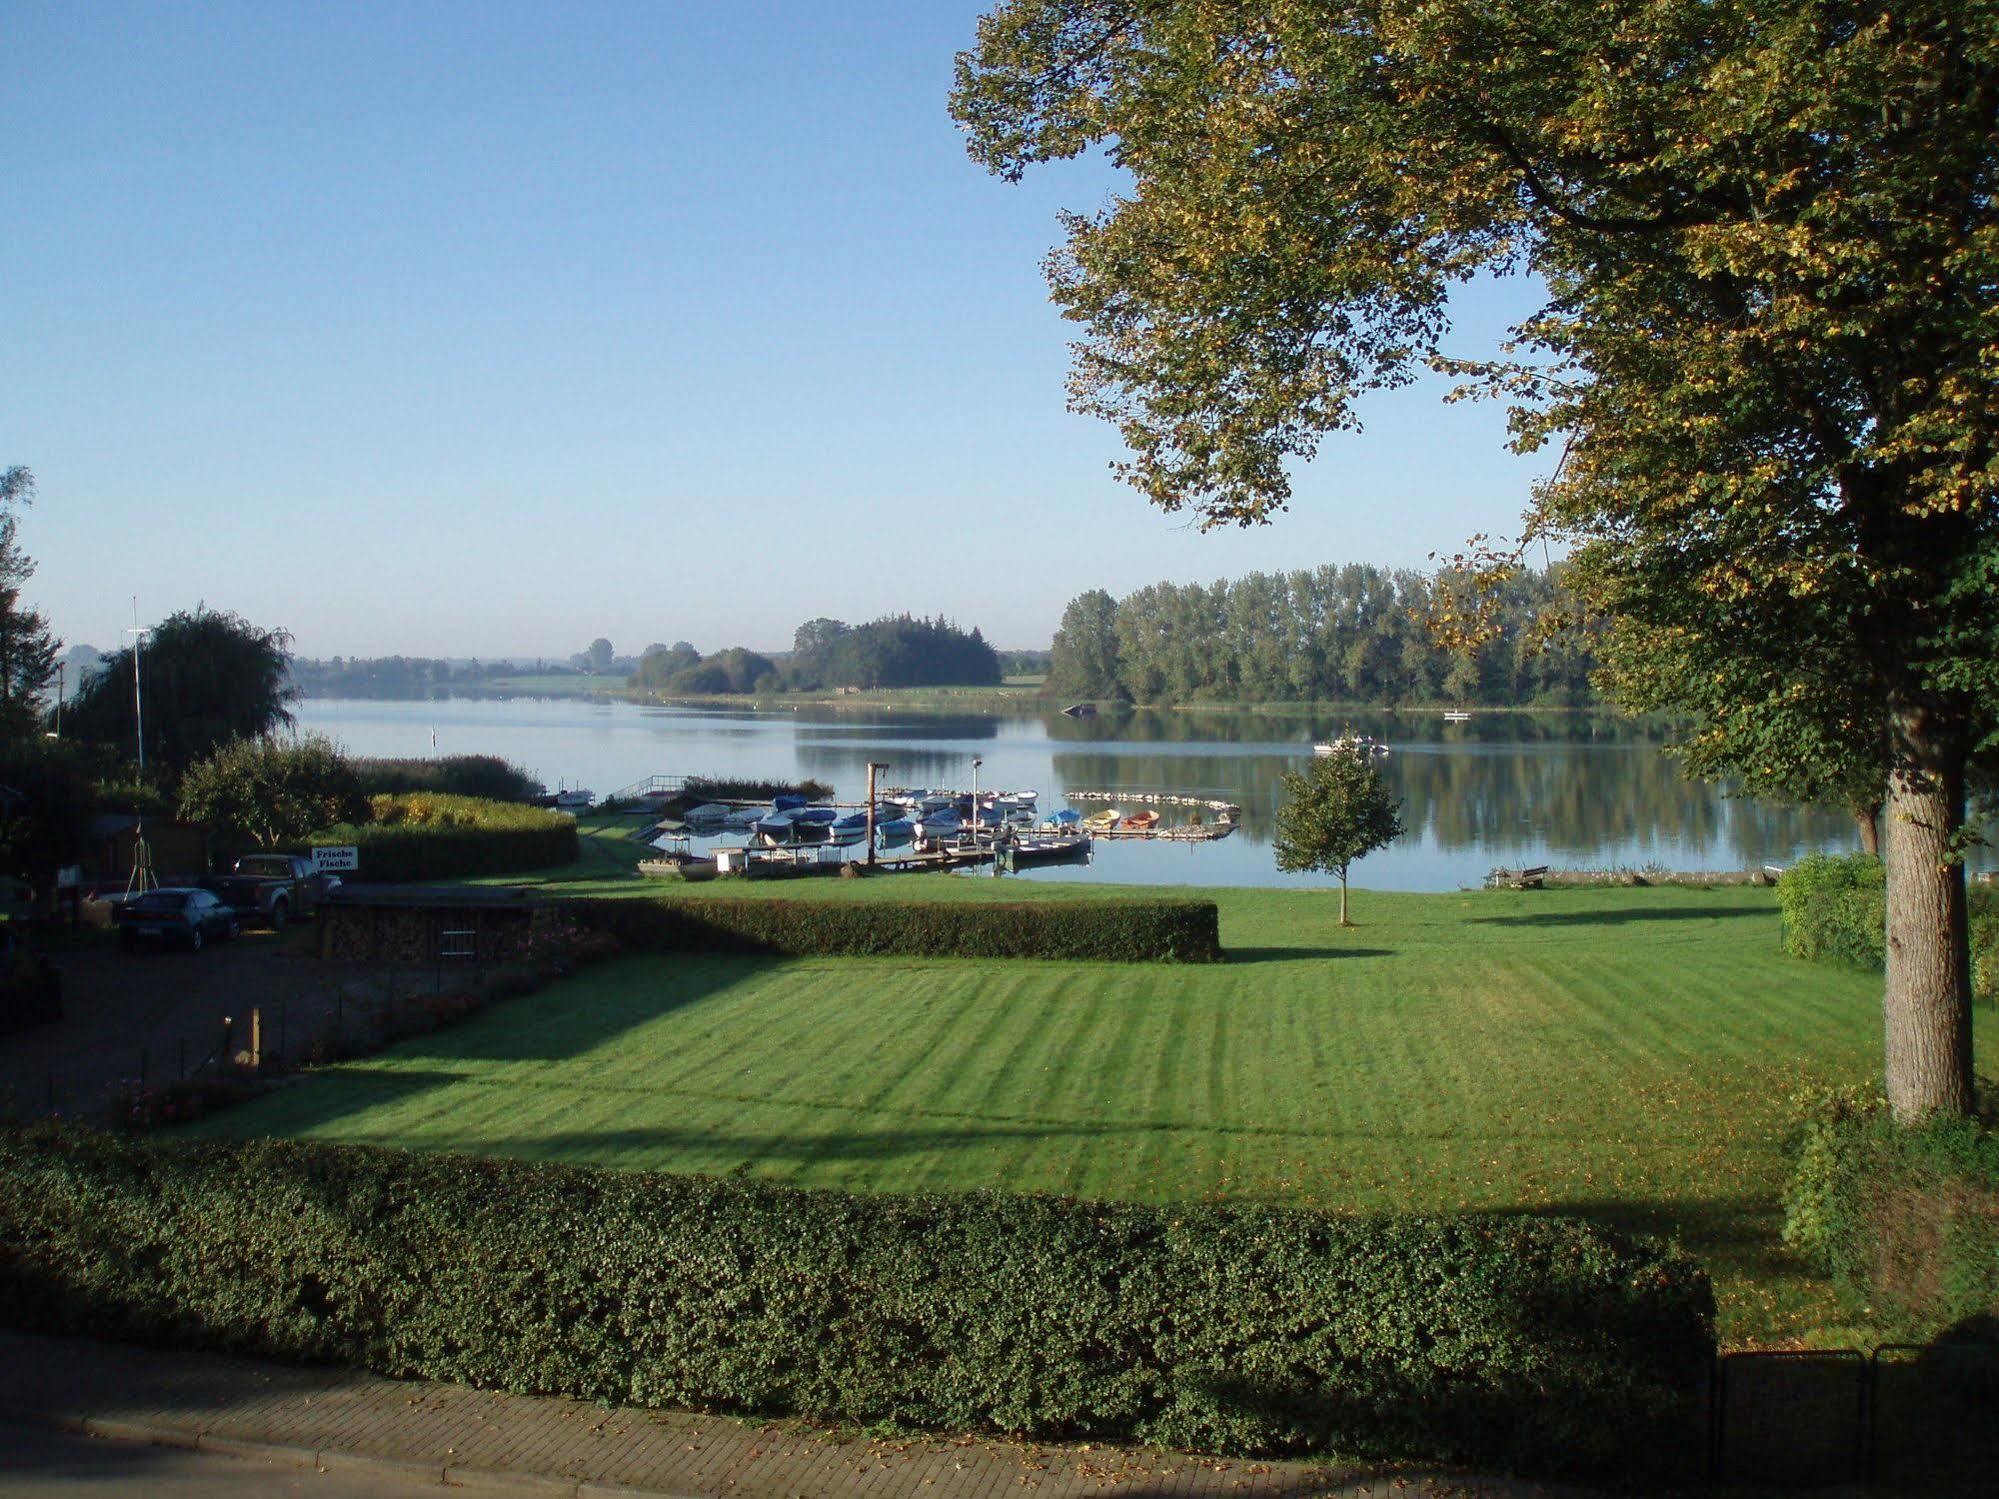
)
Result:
{"points": [[1123, 931], [1905, 1219], [1835, 910], [273, 791], [1481, 1339], [426, 836], [485, 776]]}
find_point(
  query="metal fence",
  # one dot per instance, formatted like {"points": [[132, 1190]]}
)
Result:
{"points": [[1925, 1415]]}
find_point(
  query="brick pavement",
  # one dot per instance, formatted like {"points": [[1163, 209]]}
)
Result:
{"points": [[344, 1420]]}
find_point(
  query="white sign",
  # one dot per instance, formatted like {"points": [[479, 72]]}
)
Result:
{"points": [[340, 860]]}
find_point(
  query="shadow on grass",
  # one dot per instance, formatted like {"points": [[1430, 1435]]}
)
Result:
{"points": [[1738, 1231], [1300, 954], [1614, 917]]}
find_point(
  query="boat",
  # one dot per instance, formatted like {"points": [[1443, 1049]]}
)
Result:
{"points": [[934, 801], [1081, 710], [777, 829], [574, 800], [742, 818], [1456, 715], [678, 866], [708, 812], [1138, 822], [822, 815], [1068, 817], [1351, 744], [1102, 820], [1029, 853], [942, 823], [896, 830], [788, 801], [853, 828]]}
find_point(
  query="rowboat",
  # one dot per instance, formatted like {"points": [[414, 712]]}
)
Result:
{"points": [[943, 823], [895, 831], [1068, 817], [1099, 821], [1138, 821], [852, 828]]}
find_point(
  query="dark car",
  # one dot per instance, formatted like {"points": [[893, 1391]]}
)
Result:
{"points": [[175, 914]]}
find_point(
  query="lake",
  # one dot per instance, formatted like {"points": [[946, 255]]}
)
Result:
{"points": [[1568, 790]]}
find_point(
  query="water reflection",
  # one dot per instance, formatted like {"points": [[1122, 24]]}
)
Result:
{"points": [[1571, 790]]}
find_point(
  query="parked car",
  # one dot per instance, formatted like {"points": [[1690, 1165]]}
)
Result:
{"points": [[176, 914], [272, 888]]}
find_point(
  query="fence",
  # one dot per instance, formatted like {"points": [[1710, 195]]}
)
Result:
{"points": [[1925, 1415]]}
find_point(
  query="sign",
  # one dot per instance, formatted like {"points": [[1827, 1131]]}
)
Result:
{"points": [[343, 859]]}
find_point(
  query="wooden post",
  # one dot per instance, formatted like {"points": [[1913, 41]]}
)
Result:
{"points": [[256, 1039], [873, 766]]}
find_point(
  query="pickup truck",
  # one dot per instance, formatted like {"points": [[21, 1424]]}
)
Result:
{"points": [[272, 888]]}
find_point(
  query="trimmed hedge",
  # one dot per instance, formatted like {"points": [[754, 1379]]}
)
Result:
{"points": [[431, 836], [1121, 931], [1835, 910], [1905, 1219], [1512, 1340]]}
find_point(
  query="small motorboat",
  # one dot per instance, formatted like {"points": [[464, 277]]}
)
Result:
{"points": [[934, 801], [897, 830], [942, 823], [574, 799], [789, 801], [853, 828], [778, 829], [1351, 744]]}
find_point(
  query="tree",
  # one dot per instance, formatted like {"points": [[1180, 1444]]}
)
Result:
{"points": [[1336, 810], [1084, 662], [207, 678], [47, 800], [597, 658], [27, 647], [1770, 248], [274, 791]]}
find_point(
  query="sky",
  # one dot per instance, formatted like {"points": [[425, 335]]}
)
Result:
{"points": [[488, 329]]}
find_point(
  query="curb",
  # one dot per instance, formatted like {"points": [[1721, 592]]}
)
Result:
{"points": [[326, 1459]]}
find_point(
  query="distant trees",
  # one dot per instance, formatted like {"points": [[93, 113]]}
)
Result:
{"points": [[894, 651], [1336, 810], [596, 657], [1353, 634], [274, 791], [207, 678], [27, 647]]}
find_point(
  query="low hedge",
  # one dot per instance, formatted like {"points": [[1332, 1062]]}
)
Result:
{"points": [[1515, 1341], [431, 836], [1904, 1219], [1835, 910], [1123, 931]]}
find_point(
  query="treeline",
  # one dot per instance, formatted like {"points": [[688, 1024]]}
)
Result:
{"points": [[393, 676], [1352, 634], [895, 651]]}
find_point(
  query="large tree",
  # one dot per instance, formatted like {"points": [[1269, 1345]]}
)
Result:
{"points": [[274, 791], [207, 678], [1767, 237], [27, 646]]}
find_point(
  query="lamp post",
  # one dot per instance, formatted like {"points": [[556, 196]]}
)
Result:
{"points": [[138, 699]]}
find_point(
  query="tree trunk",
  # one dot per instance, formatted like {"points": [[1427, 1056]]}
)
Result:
{"points": [[1927, 1006], [1343, 899], [1867, 822]]}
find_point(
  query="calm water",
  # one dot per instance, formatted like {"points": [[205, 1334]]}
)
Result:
{"points": [[1568, 791]]}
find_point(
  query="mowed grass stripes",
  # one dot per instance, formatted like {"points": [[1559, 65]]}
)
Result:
{"points": [[1626, 1054]]}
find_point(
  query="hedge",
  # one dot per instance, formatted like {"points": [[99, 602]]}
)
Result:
{"points": [[455, 775], [1905, 1219], [1491, 1340], [1125, 931], [1835, 910], [430, 836]]}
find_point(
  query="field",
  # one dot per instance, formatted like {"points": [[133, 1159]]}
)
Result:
{"points": [[1626, 1054]]}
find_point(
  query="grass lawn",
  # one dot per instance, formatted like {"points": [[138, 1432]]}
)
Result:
{"points": [[1626, 1054]]}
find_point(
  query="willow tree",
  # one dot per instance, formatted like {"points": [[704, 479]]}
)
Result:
{"points": [[1765, 230]]}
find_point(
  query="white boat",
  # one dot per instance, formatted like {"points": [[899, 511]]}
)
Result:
{"points": [[895, 831], [1351, 744], [942, 823], [1456, 715], [574, 799], [777, 829], [935, 801], [851, 829]]}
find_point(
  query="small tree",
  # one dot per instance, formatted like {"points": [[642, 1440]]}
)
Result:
{"points": [[274, 791], [1335, 811]]}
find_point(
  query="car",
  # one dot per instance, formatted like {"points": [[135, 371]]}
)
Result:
{"points": [[272, 888], [177, 915]]}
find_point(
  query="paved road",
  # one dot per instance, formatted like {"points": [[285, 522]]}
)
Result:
{"points": [[38, 1464]]}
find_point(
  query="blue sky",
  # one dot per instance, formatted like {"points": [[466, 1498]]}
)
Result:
{"points": [[486, 329]]}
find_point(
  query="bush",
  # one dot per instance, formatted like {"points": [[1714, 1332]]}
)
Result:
{"points": [[1835, 910], [1491, 1340], [1905, 1219], [1120, 931], [485, 776], [424, 836]]}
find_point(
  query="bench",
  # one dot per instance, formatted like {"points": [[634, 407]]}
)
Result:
{"points": [[1517, 879]]}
